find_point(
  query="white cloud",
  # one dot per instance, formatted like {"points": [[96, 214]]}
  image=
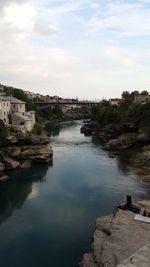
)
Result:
{"points": [[19, 16], [34, 193], [43, 27], [126, 19], [95, 5]]}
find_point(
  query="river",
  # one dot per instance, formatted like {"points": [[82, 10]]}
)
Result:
{"points": [[48, 213]]}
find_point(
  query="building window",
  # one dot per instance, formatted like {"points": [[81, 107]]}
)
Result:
{"points": [[20, 105], [4, 113], [7, 104], [4, 104]]}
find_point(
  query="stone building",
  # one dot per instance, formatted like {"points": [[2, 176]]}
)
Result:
{"points": [[13, 112], [5, 109], [24, 121], [16, 105]]}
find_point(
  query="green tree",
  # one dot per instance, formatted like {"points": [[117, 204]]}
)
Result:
{"points": [[144, 93], [38, 129], [126, 95], [104, 113], [3, 130]]}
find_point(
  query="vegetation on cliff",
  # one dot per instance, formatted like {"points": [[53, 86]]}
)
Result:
{"points": [[128, 111], [3, 131]]}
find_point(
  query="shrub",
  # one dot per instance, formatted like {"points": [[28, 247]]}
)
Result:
{"points": [[3, 130], [38, 129]]}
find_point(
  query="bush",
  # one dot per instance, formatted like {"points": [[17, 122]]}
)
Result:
{"points": [[105, 113], [38, 129], [3, 130], [128, 112]]}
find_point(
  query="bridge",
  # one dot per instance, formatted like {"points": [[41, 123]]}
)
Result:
{"points": [[43, 105]]}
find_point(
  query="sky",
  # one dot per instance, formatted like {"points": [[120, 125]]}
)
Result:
{"points": [[92, 49]]}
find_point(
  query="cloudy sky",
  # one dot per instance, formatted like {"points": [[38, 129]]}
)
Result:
{"points": [[86, 48]]}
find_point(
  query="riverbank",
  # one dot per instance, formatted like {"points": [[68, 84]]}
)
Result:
{"points": [[118, 137], [125, 138], [119, 240], [22, 153]]}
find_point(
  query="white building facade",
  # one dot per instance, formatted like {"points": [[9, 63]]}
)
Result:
{"points": [[13, 112], [5, 109]]}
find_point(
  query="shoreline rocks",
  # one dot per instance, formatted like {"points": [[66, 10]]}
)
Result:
{"points": [[118, 236], [117, 137], [25, 153], [10, 163]]}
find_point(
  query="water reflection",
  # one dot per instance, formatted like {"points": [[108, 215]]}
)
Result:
{"points": [[123, 158], [54, 129], [15, 191]]}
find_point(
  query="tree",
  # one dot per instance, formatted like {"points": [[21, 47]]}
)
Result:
{"points": [[144, 93], [38, 129], [134, 93], [126, 95], [105, 113], [3, 130]]}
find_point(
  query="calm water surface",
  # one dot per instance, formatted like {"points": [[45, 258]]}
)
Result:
{"points": [[47, 213]]}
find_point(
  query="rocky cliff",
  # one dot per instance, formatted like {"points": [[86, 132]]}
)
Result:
{"points": [[115, 239], [24, 153], [118, 137]]}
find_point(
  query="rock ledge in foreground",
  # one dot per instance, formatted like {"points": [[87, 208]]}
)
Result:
{"points": [[115, 239]]}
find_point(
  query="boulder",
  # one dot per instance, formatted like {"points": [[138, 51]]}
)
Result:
{"points": [[2, 167], [10, 164], [25, 164], [3, 177], [32, 153], [123, 141], [143, 158]]}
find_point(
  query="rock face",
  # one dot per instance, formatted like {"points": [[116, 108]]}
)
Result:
{"points": [[117, 136], [10, 163], [2, 167], [3, 177], [144, 157], [115, 239], [123, 141], [36, 153], [25, 164], [23, 153]]}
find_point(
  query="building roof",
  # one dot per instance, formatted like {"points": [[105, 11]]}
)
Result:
{"points": [[4, 98], [22, 116], [115, 99], [118, 100], [29, 112], [14, 100]]}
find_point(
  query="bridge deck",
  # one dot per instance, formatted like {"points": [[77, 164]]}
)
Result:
{"points": [[43, 105], [67, 103]]}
